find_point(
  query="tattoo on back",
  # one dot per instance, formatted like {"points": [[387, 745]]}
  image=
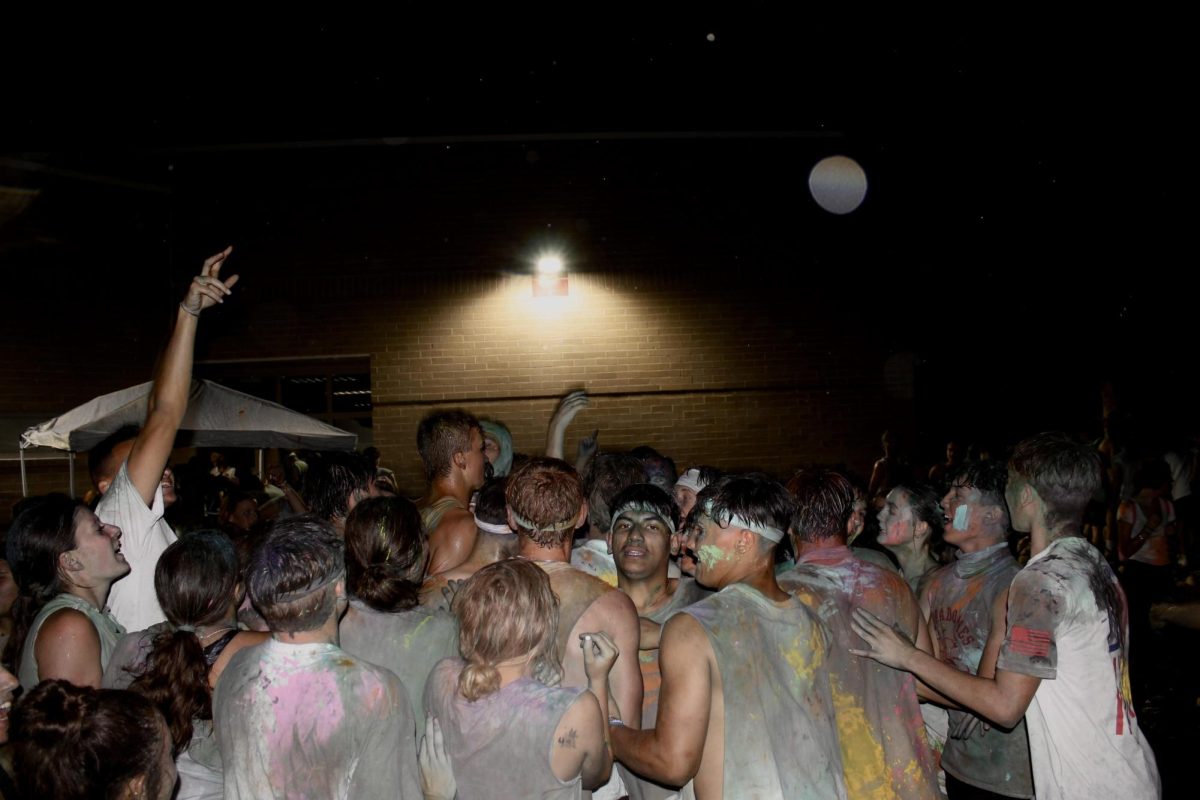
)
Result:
{"points": [[567, 741]]}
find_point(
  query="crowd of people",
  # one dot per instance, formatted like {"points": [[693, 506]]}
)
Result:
{"points": [[612, 627]]}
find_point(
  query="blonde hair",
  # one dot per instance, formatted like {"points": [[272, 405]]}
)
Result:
{"points": [[505, 611]]}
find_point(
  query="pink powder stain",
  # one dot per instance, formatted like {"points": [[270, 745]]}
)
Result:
{"points": [[307, 705]]}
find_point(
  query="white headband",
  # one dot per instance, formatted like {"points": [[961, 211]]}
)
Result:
{"points": [[558, 527], [768, 532], [489, 527], [645, 508], [691, 480]]}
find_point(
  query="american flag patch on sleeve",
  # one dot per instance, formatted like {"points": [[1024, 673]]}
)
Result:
{"points": [[1030, 642]]}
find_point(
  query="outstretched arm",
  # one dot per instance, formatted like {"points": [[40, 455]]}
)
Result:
{"points": [[172, 380], [567, 408], [1002, 699]]}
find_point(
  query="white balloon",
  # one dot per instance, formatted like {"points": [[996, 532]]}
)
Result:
{"points": [[838, 184]]}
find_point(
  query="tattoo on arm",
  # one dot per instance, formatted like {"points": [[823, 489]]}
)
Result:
{"points": [[567, 741]]}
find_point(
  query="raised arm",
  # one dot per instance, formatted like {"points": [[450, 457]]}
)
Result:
{"points": [[172, 379], [567, 408]]}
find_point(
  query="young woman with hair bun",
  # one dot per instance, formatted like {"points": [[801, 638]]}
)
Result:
{"points": [[508, 731], [386, 556]]}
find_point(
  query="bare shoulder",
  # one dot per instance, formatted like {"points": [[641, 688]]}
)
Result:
{"points": [[682, 631], [68, 623]]}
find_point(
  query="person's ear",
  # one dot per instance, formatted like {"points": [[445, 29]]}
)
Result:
{"points": [[459, 460], [69, 562], [512, 521], [136, 788], [745, 541], [676, 543], [920, 529], [103, 484], [608, 539], [582, 519]]}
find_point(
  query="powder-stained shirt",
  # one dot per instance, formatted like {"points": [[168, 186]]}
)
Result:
{"points": [[1068, 624], [500, 743], [144, 537], [780, 738], [882, 733], [409, 643], [593, 558], [311, 721], [960, 598]]}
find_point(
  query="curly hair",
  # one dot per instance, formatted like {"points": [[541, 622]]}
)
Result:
{"points": [[506, 610]]}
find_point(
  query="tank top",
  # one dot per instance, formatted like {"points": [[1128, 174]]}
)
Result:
{"points": [[107, 628]]}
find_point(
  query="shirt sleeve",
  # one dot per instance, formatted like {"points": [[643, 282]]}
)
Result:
{"points": [[122, 506], [1035, 610]]}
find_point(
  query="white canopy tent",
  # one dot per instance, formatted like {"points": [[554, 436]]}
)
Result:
{"points": [[217, 416]]}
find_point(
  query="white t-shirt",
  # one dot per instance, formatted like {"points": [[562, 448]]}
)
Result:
{"points": [[144, 537], [1155, 550], [1067, 625], [1179, 463]]}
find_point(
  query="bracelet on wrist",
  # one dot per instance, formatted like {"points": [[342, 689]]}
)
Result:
{"points": [[616, 722], [188, 310]]}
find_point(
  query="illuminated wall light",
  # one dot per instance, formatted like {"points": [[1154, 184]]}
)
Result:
{"points": [[550, 280]]}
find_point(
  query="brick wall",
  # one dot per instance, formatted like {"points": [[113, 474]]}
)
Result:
{"points": [[707, 368]]}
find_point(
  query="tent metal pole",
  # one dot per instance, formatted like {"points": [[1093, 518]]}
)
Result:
{"points": [[71, 470], [24, 482]]}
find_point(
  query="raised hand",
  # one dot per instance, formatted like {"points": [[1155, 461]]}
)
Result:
{"points": [[207, 288]]}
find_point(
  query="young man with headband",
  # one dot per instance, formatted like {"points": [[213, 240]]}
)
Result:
{"points": [[745, 707], [645, 520]]}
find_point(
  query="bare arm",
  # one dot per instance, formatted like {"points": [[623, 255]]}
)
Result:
{"points": [[1127, 543], [649, 635], [168, 398], [1002, 699], [579, 745], [567, 408], [68, 647], [671, 752]]}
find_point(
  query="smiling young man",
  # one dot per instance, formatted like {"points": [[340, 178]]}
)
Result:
{"points": [[1063, 657], [131, 473], [745, 708], [980, 761], [645, 519]]}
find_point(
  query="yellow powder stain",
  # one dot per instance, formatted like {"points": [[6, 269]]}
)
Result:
{"points": [[408, 637], [862, 754], [806, 667]]}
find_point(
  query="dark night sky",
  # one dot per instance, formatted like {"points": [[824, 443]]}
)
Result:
{"points": [[1029, 183]]}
